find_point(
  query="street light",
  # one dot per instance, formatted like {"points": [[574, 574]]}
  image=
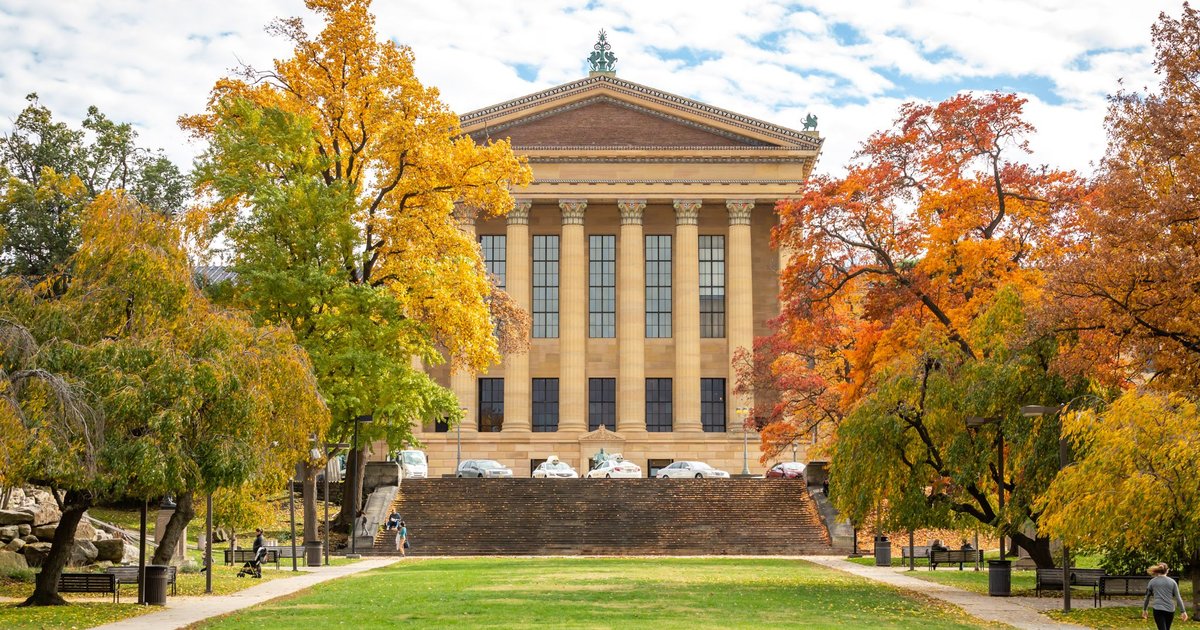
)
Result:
{"points": [[975, 422], [1064, 458], [330, 448], [742, 412], [458, 439], [356, 491]]}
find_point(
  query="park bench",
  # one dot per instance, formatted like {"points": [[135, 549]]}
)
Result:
{"points": [[917, 552], [89, 583], [233, 556], [1124, 585], [129, 575], [1052, 579], [954, 556]]}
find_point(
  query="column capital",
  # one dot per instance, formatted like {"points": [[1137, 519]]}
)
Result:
{"points": [[632, 211], [739, 211], [465, 215], [519, 215], [687, 211], [572, 210]]}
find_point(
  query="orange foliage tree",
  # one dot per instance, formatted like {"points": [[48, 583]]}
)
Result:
{"points": [[905, 298]]}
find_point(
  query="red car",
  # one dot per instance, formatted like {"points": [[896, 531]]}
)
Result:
{"points": [[786, 470]]}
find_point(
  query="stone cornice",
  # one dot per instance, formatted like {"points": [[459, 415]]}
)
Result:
{"points": [[479, 120], [465, 215]]}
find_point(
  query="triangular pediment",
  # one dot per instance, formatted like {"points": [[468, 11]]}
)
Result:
{"points": [[606, 112], [605, 122]]}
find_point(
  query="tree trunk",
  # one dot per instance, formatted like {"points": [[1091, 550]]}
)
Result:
{"points": [[45, 592], [185, 511], [309, 493], [1195, 584], [356, 464], [1037, 548]]}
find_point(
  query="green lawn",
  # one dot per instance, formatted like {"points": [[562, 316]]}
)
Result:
{"points": [[601, 593]]}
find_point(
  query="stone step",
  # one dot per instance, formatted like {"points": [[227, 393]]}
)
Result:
{"points": [[611, 517]]}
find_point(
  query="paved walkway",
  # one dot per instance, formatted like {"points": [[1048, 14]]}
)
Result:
{"points": [[1010, 611], [181, 612]]}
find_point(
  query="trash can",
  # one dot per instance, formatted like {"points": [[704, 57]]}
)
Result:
{"points": [[156, 584], [999, 578], [312, 553], [883, 551]]}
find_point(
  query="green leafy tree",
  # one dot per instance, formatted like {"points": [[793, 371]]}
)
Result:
{"points": [[50, 171], [906, 447]]}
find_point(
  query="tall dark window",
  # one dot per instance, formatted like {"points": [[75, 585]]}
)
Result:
{"points": [[658, 405], [491, 404], [545, 286], [602, 286], [545, 405], [712, 404], [602, 403], [712, 286], [658, 286], [495, 252]]}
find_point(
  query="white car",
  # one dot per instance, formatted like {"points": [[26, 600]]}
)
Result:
{"points": [[683, 470], [615, 469], [483, 468], [555, 468], [413, 464]]}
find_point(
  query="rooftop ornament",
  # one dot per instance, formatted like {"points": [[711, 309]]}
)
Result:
{"points": [[602, 58]]}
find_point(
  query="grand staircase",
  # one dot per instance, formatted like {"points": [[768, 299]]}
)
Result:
{"points": [[607, 517]]}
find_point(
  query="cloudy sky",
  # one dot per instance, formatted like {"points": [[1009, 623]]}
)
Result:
{"points": [[850, 62]]}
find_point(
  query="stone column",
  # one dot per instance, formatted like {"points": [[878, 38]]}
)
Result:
{"points": [[518, 405], [572, 318], [631, 319], [462, 381], [739, 299], [686, 305]]}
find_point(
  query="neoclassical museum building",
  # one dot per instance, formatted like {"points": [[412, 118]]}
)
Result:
{"points": [[642, 252]]}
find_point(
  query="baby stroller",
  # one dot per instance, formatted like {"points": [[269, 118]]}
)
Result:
{"points": [[253, 568]]}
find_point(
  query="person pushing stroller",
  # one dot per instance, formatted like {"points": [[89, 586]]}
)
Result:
{"points": [[253, 568]]}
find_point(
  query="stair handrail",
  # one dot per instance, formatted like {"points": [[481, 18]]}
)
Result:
{"points": [[116, 529]]}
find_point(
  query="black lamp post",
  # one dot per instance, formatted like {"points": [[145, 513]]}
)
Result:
{"points": [[1064, 459], [975, 422], [208, 522], [356, 490], [329, 450]]}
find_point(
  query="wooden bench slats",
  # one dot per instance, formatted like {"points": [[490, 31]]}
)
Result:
{"points": [[1124, 585], [89, 583], [129, 575], [246, 555], [954, 556], [1052, 579]]}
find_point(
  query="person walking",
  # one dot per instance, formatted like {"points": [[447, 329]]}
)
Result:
{"points": [[1164, 592], [402, 540]]}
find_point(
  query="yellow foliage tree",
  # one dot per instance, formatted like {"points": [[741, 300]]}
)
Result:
{"points": [[1134, 483]]}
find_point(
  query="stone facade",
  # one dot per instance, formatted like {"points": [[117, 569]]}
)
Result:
{"points": [[616, 159]]}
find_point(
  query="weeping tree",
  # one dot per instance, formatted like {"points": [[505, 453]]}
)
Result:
{"points": [[109, 378]]}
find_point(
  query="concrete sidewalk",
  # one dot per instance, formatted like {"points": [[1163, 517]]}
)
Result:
{"points": [[1004, 610], [181, 612]]}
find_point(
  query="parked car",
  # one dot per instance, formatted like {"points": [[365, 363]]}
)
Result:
{"points": [[483, 468], [413, 464], [698, 470], [786, 470], [555, 468], [616, 469]]}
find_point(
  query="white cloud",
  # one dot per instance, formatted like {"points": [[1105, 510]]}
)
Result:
{"points": [[149, 62]]}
